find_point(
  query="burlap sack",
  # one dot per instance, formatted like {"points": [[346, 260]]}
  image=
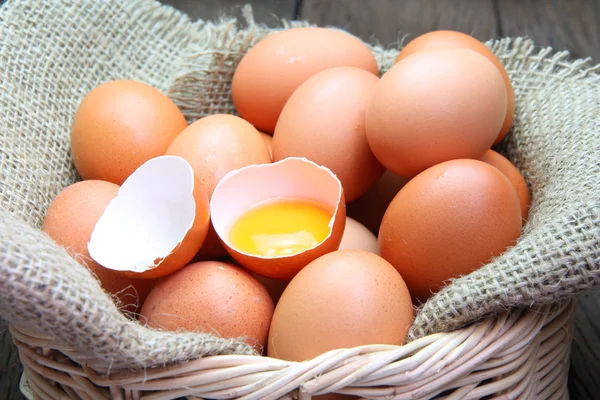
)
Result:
{"points": [[53, 52]]}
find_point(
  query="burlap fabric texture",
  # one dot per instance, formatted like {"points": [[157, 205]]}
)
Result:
{"points": [[53, 52]]}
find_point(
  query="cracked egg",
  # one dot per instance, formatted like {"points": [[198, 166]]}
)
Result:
{"points": [[156, 223], [276, 218]]}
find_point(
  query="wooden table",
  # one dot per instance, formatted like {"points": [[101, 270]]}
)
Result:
{"points": [[563, 24]]}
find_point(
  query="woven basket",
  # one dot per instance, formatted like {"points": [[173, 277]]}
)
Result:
{"points": [[521, 355], [502, 332]]}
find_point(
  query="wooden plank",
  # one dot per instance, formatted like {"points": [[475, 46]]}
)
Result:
{"points": [[10, 368], [572, 25], [388, 20], [265, 11]]}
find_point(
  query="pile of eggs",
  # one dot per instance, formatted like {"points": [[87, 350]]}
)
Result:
{"points": [[263, 226]]}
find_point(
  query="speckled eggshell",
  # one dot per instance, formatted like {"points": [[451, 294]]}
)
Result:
{"points": [[324, 121], [70, 220], [211, 297], [448, 221], [434, 106], [214, 146], [514, 176], [119, 126], [273, 69], [438, 39], [343, 299]]}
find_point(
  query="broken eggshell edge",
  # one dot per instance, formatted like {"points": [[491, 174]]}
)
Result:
{"points": [[293, 177], [157, 222]]}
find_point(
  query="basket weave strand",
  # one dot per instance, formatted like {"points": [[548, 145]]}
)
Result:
{"points": [[524, 354]]}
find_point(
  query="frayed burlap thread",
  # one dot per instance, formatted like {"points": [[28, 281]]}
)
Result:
{"points": [[52, 53], [62, 299]]}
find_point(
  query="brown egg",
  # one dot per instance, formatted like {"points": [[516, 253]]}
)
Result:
{"points": [[324, 121], [212, 297], [214, 146], [358, 237], [448, 221], [514, 176], [70, 220], [434, 106], [439, 39], [120, 125], [343, 299], [272, 70], [268, 139], [370, 207]]}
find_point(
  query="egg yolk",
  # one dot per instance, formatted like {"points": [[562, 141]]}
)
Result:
{"points": [[281, 228]]}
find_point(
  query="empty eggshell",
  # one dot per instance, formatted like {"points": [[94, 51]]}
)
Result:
{"points": [[157, 222], [291, 178]]}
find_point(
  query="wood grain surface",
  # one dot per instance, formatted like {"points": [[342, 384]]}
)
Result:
{"points": [[572, 25], [265, 11], [387, 21]]}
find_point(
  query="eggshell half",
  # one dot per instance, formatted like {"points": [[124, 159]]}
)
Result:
{"points": [[157, 222], [295, 178]]}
